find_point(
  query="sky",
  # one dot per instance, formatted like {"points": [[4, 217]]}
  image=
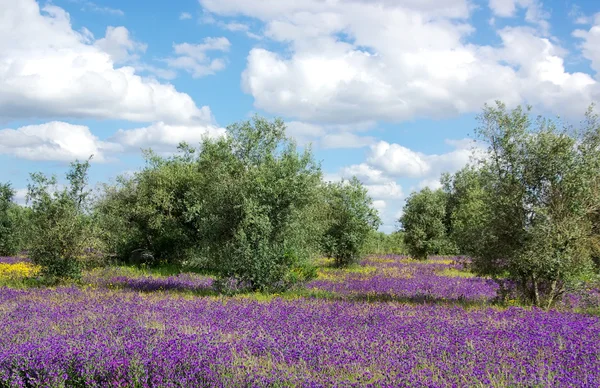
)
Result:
{"points": [[387, 90]]}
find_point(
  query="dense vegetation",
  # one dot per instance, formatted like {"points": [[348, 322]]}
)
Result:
{"points": [[255, 212], [525, 211], [247, 207]]}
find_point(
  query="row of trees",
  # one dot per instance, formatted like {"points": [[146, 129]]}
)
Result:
{"points": [[527, 211], [249, 207]]}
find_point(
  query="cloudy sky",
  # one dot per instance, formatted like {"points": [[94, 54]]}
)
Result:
{"points": [[386, 90]]}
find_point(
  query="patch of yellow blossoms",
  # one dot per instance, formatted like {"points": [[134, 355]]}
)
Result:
{"points": [[18, 271]]}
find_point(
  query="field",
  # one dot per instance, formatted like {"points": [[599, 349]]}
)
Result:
{"points": [[389, 321]]}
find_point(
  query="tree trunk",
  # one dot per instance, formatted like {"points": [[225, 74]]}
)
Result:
{"points": [[536, 291]]}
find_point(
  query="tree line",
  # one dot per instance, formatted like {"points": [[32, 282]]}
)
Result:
{"points": [[247, 207], [526, 210]]}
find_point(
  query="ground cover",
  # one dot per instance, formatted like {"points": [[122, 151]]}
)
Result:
{"points": [[429, 324]]}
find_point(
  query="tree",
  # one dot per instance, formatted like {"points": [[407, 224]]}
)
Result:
{"points": [[253, 207], [243, 206], [465, 208], [424, 224], [12, 222], [350, 219], [146, 211], [60, 222], [381, 243], [539, 188]]}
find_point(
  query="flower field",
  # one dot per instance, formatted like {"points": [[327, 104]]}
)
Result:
{"points": [[124, 329]]}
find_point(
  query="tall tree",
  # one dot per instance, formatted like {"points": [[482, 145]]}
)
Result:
{"points": [[540, 187]]}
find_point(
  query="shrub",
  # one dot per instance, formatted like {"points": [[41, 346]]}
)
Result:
{"points": [[11, 223], [424, 224], [60, 223], [350, 220]]}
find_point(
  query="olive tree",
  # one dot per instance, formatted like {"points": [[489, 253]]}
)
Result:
{"points": [[538, 189], [350, 219], [253, 207], [424, 224], [60, 222], [12, 222], [142, 215]]}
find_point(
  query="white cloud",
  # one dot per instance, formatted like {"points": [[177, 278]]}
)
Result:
{"points": [[119, 45], [391, 190], [327, 136], [534, 11], [365, 174], [49, 70], [352, 60], [58, 141], [194, 59], [433, 184], [185, 16], [163, 137], [379, 205], [399, 161], [591, 43]]}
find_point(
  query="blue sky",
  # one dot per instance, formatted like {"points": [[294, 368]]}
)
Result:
{"points": [[387, 90]]}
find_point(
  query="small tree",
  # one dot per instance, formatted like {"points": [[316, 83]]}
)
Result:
{"points": [[424, 224], [60, 222], [466, 208], [253, 206], [350, 220], [11, 222], [145, 211], [540, 190]]}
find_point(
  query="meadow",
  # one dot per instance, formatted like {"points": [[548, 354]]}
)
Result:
{"points": [[389, 321]]}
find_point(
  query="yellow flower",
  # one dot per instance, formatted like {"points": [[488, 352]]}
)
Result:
{"points": [[18, 271]]}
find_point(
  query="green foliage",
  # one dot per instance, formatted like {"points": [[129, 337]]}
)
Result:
{"points": [[380, 243], [13, 223], [350, 218], [146, 211], [253, 207], [424, 224], [243, 207], [60, 223], [466, 208], [530, 202]]}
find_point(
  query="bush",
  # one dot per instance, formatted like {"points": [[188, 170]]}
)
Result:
{"points": [[60, 223], [252, 206], [240, 206], [424, 224], [350, 220], [12, 223], [146, 211]]}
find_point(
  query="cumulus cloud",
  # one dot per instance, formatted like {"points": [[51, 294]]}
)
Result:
{"points": [[47, 69], [534, 11], [194, 58], [119, 45], [56, 141], [366, 174], [399, 161], [354, 60], [164, 137], [327, 136], [590, 44]]}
